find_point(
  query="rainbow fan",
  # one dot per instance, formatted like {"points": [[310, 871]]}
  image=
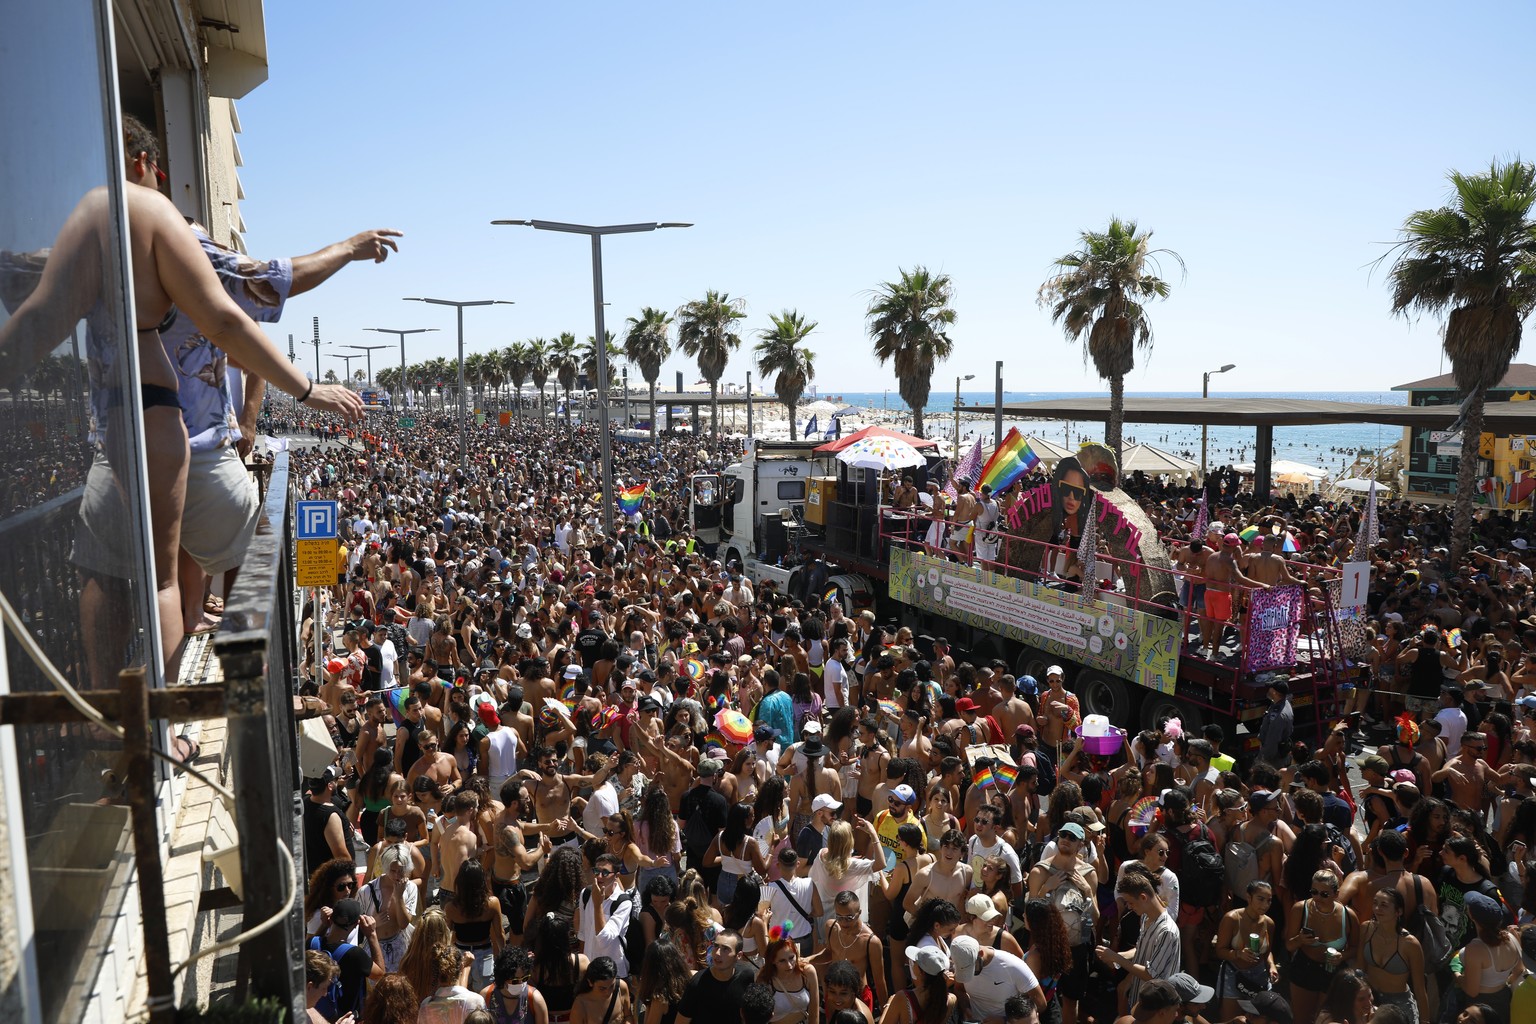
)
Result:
{"points": [[1141, 814], [693, 668], [890, 707]]}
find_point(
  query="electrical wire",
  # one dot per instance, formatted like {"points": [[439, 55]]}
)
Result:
{"points": [[51, 672]]}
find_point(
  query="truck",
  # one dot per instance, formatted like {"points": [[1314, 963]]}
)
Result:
{"points": [[1129, 650]]}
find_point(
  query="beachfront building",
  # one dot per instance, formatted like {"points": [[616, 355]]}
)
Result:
{"points": [[1432, 456], [88, 827]]}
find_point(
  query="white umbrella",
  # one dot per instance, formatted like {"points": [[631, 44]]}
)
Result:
{"points": [[1149, 459], [1280, 466], [1361, 485], [880, 453]]}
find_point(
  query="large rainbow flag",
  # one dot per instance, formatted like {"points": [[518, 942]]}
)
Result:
{"points": [[1012, 459], [631, 498]]}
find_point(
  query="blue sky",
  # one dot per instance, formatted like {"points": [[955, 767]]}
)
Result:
{"points": [[820, 147]]}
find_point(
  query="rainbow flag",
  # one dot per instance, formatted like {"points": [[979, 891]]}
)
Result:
{"points": [[1006, 774], [631, 498], [983, 779], [1012, 459]]}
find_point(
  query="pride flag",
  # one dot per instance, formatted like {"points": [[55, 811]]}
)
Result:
{"points": [[983, 779], [631, 498], [1012, 459]]}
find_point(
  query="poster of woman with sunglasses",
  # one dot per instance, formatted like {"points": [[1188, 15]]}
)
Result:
{"points": [[1071, 498]]}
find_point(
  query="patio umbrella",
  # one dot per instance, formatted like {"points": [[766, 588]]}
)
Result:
{"points": [[880, 453]]}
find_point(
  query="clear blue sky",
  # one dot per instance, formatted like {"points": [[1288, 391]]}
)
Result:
{"points": [[819, 147]]}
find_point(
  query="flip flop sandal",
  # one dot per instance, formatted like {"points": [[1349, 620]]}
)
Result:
{"points": [[213, 605], [193, 750]]}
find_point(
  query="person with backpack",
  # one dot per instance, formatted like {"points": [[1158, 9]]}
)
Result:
{"points": [[1198, 865], [1072, 886], [605, 914], [355, 963]]}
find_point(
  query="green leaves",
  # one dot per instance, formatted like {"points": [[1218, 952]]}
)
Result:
{"points": [[908, 320]]}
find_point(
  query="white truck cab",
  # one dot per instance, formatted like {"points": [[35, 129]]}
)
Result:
{"points": [[754, 511]]}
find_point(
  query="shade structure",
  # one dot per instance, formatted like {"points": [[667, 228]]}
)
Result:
{"points": [[1295, 478], [734, 726], [1049, 452], [1360, 485], [820, 407], [1282, 466], [881, 453], [832, 447], [1150, 459]]}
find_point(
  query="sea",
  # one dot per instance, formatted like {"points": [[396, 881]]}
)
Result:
{"points": [[1332, 447]]}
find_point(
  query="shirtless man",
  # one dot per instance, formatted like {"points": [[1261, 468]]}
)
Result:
{"points": [[1470, 778], [849, 938], [873, 759], [372, 736], [962, 523], [511, 857], [943, 663], [454, 841], [675, 771], [1012, 711], [906, 494], [1270, 567], [441, 768], [552, 794], [945, 879], [1222, 573]]}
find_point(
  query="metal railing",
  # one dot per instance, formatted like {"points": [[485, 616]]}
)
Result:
{"points": [[257, 649]]}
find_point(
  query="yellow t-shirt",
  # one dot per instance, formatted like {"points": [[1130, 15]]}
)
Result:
{"points": [[341, 563], [886, 825]]}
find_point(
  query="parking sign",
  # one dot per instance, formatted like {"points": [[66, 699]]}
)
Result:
{"points": [[316, 520]]}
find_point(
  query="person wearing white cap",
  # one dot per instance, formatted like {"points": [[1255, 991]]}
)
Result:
{"points": [[984, 923], [1072, 886], [1059, 711], [991, 977]]}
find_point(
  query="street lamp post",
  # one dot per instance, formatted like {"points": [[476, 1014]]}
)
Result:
{"points": [[969, 376], [463, 408], [596, 233], [1205, 392], [348, 359], [368, 351], [402, 334]]}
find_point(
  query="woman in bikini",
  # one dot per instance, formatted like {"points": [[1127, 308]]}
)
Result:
{"points": [[1392, 959]]}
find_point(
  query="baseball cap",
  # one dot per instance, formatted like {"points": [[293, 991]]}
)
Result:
{"points": [[1232, 540], [981, 906], [824, 802], [905, 794], [763, 734], [1272, 1007], [1485, 910], [1027, 684], [932, 961], [708, 766], [573, 671], [1055, 670], [962, 954], [1072, 829], [1403, 775], [965, 704], [1190, 990], [345, 914], [1528, 701], [1375, 763], [1260, 799], [811, 726]]}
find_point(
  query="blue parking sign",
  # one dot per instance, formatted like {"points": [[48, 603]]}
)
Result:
{"points": [[316, 520]]}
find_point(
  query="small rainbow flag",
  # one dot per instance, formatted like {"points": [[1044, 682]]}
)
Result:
{"points": [[631, 498], [1006, 774], [983, 779], [1012, 459]]}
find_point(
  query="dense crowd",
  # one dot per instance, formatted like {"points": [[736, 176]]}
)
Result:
{"points": [[607, 778]]}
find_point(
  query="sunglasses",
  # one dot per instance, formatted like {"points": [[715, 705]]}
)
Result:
{"points": [[847, 917], [1325, 893], [160, 175], [602, 872], [1074, 490], [347, 886], [1160, 852]]}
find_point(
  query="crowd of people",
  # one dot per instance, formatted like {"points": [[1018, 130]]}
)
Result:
{"points": [[602, 778]]}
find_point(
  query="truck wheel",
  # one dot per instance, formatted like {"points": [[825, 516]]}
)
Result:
{"points": [[1161, 705], [1103, 695], [1033, 662], [733, 553]]}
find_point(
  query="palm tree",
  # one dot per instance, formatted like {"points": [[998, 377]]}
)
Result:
{"points": [[515, 358], [475, 374], [389, 379], [1473, 260], [587, 356], [563, 358], [782, 351], [705, 330], [908, 322], [538, 369], [1098, 299], [647, 346]]}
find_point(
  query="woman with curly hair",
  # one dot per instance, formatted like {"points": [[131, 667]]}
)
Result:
{"points": [[511, 998], [691, 926], [432, 935], [556, 969], [557, 889], [1050, 952], [449, 1001], [334, 880], [476, 919], [657, 835], [391, 1000], [661, 983]]}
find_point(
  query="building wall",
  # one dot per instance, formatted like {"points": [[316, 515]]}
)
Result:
{"points": [[1434, 458], [223, 173]]}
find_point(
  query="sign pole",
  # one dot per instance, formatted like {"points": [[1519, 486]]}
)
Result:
{"points": [[319, 643]]}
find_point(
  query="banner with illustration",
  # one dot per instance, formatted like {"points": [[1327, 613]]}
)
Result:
{"points": [[1274, 624], [1101, 634]]}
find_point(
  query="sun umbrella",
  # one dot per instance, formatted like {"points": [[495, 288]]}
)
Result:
{"points": [[880, 453], [734, 726]]}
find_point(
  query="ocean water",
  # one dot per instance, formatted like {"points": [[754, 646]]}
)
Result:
{"points": [[1331, 446]]}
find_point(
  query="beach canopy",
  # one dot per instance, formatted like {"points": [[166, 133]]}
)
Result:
{"points": [[881, 453], [1149, 459], [1295, 478], [1361, 486], [833, 447], [1282, 466], [1048, 451], [820, 407]]}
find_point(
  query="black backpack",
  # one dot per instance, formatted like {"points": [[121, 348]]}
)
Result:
{"points": [[634, 932], [1430, 931], [1202, 872], [1046, 781]]}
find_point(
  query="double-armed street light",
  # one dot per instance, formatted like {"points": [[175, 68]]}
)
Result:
{"points": [[596, 233], [463, 408], [401, 335]]}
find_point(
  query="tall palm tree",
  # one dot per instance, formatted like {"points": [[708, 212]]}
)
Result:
{"points": [[390, 380], [565, 361], [538, 370], [1473, 260], [782, 351], [587, 355], [515, 358], [1098, 298], [909, 322], [475, 375], [647, 345], [706, 331]]}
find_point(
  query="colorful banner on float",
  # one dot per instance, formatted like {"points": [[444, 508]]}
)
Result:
{"points": [[1274, 625]]}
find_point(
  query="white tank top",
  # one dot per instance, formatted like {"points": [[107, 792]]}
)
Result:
{"points": [[502, 756]]}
